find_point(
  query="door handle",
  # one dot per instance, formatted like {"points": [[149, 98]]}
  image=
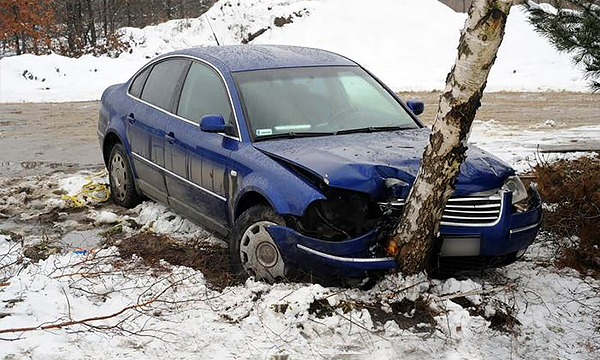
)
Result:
{"points": [[131, 118], [170, 137]]}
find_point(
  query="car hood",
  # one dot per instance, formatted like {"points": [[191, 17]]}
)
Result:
{"points": [[363, 161]]}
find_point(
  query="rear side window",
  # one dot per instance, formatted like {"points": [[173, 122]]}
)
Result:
{"points": [[203, 93], [163, 82], [138, 82]]}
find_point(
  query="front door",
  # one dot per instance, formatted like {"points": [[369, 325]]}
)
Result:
{"points": [[198, 161]]}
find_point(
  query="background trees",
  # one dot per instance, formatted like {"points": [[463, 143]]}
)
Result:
{"points": [[576, 32], [76, 27], [27, 25]]}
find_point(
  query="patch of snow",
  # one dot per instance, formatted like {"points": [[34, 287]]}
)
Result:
{"points": [[72, 184], [10, 253], [104, 217], [520, 148], [160, 219]]}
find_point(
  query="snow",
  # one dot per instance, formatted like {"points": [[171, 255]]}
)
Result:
{"points": [[409, 44], [104, 217], [556, 310], [521, 148]]}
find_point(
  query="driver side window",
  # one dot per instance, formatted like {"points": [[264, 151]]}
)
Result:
{"points": [[204, 93]]}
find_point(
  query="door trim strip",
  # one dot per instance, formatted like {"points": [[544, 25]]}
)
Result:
{"points": [[140, 157]]}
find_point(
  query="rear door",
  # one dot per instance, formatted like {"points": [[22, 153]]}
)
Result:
{"points": [[148, 119], [198, 161]]}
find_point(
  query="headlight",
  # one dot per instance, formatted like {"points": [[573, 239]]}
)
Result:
{"points": [[515, 185]]}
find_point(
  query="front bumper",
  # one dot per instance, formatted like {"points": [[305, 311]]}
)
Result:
{"points": [[355, 258]]}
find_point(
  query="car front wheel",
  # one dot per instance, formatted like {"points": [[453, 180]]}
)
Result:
{"points": [[253, 251]]}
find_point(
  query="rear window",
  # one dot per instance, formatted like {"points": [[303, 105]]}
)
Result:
{"points": [[138, 83], [162, 83]]}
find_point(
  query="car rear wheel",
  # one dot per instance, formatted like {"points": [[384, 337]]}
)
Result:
{"points": [[253, 252], [122, 185]]}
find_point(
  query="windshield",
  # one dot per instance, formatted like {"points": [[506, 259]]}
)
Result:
{"points": [[316, 101]]}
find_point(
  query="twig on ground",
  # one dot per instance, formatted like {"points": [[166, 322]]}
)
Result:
{"points": [[471, 292]]}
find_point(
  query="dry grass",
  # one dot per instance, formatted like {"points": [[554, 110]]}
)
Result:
{"points": [[572, 188]]}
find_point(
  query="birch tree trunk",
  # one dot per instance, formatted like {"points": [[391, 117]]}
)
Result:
{"points": [[479, 42]]}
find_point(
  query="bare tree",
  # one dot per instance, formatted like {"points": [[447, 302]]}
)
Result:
{"points": [[477, 49]]}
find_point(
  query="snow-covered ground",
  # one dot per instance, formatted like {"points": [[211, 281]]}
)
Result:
{"points": [[171, 312], [528, 310], [410, 44]]}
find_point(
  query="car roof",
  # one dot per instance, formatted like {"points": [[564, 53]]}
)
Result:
{"points": [[260, 57]]}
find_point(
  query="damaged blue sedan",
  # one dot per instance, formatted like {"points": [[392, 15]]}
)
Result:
{"points": [[302, 159]]}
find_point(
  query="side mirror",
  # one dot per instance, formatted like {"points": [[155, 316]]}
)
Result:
{"points": [[213, 124], [417, 107]]}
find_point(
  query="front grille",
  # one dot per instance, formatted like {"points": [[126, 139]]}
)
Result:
{"points": [[464, 211]]}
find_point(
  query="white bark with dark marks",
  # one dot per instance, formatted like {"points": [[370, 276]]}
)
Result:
{"points": [[477, 49]]}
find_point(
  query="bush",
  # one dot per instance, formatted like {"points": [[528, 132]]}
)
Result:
{"points": [[571, 188]]}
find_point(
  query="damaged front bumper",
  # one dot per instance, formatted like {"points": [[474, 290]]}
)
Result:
{"points": [[504, 242], [351, 258]]}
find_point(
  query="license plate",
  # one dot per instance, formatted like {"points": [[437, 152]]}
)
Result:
{"points": [[460, 247]]}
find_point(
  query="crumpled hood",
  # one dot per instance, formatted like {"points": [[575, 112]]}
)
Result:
{"points": [[363, 161]]}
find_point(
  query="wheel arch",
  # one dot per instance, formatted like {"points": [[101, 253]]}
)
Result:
{"points": [[249, 199], [110, 139]]}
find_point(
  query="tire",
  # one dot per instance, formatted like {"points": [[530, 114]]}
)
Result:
{"points": [[122, 184], [252, 251]]}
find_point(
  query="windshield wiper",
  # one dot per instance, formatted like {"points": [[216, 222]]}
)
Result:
{"points": [[293, 134], [373, 129]]}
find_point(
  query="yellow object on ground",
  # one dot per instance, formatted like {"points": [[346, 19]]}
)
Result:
{"points": [[90, 190]]}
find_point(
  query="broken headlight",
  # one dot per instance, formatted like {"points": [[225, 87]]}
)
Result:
{"points": [[343, 215], [520, 196]]}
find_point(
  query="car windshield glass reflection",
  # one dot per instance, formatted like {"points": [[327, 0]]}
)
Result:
{"points": [[315, 101]]}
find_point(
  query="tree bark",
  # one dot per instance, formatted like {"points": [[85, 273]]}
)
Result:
{"points": [[418, 226], [91, 23], [17, 44], [104, 18]]}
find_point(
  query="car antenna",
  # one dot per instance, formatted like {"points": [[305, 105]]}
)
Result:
{"points": [[211, 29]]}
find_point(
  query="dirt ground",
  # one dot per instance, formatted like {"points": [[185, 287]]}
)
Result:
{"points": [[527, 110], [42, 137]]}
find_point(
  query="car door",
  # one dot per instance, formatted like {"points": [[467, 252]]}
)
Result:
{"points": [[198, 161], [146, 123]]}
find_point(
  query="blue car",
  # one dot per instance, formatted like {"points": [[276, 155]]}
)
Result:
{"points": [[302, 159]]}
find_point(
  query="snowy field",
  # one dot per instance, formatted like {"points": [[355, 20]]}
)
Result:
{"points": [[528, 310], [410, 44]]}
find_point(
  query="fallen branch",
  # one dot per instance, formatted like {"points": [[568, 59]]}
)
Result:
{"points": [[86, 320], [471, 292], [4, 284], [76, 322]]}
